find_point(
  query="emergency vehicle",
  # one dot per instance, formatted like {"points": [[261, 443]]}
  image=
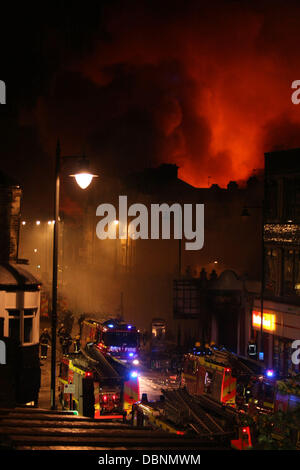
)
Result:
{"points": [[96, 387], [218, 375], [271, 395], [119, 339], [268, 396]]}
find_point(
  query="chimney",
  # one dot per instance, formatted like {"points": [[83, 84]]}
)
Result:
{"points": [[10, 212]]}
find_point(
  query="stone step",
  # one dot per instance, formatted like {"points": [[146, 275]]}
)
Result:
{"points": [[109, 442], [79, 433], [53, 423]]}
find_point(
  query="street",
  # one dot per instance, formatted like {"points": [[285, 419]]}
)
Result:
{"points": [[150, 382]]}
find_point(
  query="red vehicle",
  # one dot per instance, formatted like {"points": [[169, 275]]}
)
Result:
{"points": [[203, 376], [119, 339], [94, 388]]}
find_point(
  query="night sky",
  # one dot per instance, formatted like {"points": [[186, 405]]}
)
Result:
{"points": [[205, 85]]}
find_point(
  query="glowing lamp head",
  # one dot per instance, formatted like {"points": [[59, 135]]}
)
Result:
{"points": [[270, 373], [134, 374], [83, 176], [130, 354], [110, 325], [136, 362], [83, 179]]}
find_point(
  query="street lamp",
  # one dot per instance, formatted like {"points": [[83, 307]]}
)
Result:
{"points": [[245, 213], [83, 178]]}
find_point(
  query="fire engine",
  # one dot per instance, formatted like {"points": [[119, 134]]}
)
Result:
{"points": [[119, 339], [218, 375], [96, 385], [227, 379], [271, 395]]}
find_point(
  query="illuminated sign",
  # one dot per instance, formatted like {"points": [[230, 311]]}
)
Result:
{"points": [[268, 321]]}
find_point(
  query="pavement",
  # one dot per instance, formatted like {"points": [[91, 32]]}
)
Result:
{"points": [[45, 394]]}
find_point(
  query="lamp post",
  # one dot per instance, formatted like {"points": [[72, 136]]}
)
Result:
{"points": [[83, 178], [245, 213]]}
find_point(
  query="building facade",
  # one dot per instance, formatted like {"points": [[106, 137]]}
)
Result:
{"points": [[19, 307], [281, 300]]}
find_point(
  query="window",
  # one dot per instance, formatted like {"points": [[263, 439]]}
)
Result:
{"points": [[21, 324], [291, 272], [272, 270], [14, 324], [30, 312], [291, 200], [288, 199], [14, 329], [297, 200], [288, 275], [271, 200], [297, 272], [13, 312], [27, 336], [208, 382]]}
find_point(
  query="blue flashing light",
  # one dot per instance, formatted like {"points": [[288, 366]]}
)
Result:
{"points": [[110, 325], [129, 327], [130, 354], [134, 374], [270, 373]]}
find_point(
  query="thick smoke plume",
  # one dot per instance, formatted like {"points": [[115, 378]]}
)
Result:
{"points": [[205, 86], [133, 84]]}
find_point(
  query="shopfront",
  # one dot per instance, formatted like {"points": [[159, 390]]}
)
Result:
{"points": [[281, 326]]}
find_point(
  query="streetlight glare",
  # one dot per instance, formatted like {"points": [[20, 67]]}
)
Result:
{"points": [[83, 179]]}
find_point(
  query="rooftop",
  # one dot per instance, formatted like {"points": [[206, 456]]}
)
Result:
{"points": [[12, 276]]}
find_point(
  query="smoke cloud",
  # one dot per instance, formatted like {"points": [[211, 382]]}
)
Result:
{"points": [[205, 86]]}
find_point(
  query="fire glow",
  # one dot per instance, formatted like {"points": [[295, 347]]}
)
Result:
{"points": [[202, 90]]}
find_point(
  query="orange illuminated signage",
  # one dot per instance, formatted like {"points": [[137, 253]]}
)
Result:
{"points": [[268, 321]]}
